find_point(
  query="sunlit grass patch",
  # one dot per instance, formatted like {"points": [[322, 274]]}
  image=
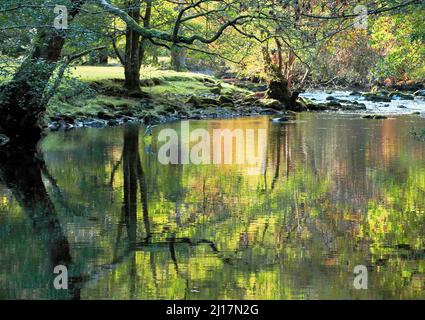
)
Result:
{"points": [[166, 81], [93, 73]]}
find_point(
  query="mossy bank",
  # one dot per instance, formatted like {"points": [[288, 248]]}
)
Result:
{"points": [[95, 97]]}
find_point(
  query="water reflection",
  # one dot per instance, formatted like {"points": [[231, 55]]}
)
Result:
{"points": [[21, 170], [338, 191]]}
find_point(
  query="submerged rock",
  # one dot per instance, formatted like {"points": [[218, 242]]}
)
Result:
{"points": [[375, 116], [280, 120]]}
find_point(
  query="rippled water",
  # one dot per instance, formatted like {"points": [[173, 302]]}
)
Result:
{"points": [[395, 106], [338, 191]]}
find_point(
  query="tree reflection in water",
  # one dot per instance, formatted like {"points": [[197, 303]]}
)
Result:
{"points": [[333, 197]]}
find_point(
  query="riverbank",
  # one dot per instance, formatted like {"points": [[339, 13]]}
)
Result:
{"points": [[95, 97]]}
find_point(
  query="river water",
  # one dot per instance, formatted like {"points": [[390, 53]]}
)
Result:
{"points": [[396, 106], [338, 191]]}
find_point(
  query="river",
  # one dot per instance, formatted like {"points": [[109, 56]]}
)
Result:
{"points": [[338, 191]]}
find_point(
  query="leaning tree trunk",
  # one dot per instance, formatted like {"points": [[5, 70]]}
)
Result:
{"points": [[22, 105], [21, 100], [31, 194], [132, 52]]}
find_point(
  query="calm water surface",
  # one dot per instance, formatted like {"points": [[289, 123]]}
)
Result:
{"points": [[338, 191]]}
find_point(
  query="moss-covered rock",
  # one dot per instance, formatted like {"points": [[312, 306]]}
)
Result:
{"points": [[271, 103], [216, 90], [226, 99]]}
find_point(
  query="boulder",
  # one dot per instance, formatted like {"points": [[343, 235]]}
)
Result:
{"points": [[376, 97], [225, 99], [353, 107], [271, 103], [321, 107], [250, 98], [375, 116], [104, 116], [334, 104], [355, 93], [402, 96], [280, 120]]}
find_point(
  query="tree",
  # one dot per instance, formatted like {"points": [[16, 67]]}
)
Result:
{"points": [[23, 99]]}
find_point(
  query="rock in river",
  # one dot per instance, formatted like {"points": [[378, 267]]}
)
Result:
{"points": [[280, 120], [375, 117], [376, 97], [401, 96]]}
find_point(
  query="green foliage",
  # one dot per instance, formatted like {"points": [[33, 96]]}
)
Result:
{"points": [[400, 41]]}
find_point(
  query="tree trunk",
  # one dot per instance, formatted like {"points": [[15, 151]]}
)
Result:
{"points": [[147, 24], [130, 158], [132, 51], [103, 57], [178, 58], [279, 90], [280, 73], [22, 106], [21, 99], [31, 194], [134, 180]]}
